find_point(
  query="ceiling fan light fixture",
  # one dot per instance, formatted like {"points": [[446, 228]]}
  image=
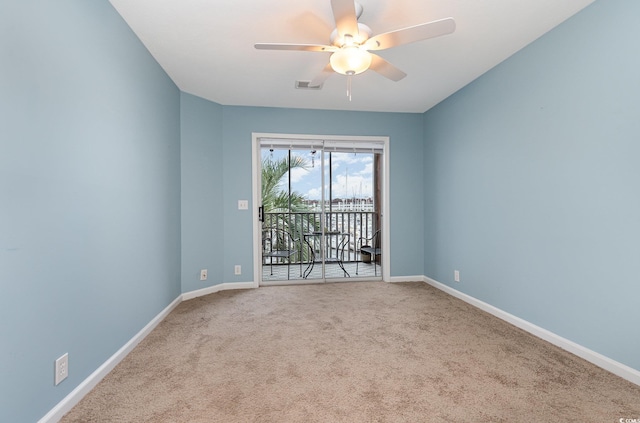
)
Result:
{"points": [[350, 60]]}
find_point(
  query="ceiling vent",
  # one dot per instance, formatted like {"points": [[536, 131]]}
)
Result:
{"points": [[304, 85]]}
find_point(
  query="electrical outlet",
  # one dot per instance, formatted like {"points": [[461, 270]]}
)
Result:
{"points": [[61, 369], [237, 269], [456, 276], [203, 275]]}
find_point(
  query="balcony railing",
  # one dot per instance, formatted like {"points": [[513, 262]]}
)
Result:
{"points": [[344, 227]]}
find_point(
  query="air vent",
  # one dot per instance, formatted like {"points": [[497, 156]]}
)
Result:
{"points": [[304, 85]]}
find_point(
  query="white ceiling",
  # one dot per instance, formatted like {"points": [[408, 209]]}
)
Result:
{"points": [[206, 47]]}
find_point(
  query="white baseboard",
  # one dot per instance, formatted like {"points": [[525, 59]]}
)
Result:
{"points": [[398, 279], [64, 406], [624, 371], [217, 288]]}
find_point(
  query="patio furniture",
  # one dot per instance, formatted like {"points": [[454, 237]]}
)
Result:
{"points": [[279, 244], [371, 246], [342, 242]]}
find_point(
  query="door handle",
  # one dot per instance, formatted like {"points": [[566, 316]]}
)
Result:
{"points": [[261, 214]]}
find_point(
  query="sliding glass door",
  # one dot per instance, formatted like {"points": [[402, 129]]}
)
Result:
{"points": [[320, 210], [285, 211]]}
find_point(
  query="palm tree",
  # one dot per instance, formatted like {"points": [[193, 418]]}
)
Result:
{"points": [[276, 200]]}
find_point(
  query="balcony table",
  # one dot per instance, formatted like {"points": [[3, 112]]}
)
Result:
{"points": [[342, 243]]}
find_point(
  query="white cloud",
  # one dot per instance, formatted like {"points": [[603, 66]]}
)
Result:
{"points": [[353, 186], [314, 194], [367, 171], [298, 173]]}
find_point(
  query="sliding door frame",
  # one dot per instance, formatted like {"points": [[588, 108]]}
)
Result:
{"points": [[256, 192]]}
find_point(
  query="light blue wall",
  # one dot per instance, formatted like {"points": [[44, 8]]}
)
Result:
{"points": [[534, 192], [89, 195], [230, 163], [202, 192]]}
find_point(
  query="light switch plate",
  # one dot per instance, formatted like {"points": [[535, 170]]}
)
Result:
{"points": [[243, 204]]}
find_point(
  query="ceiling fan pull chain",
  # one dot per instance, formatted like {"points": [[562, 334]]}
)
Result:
{"points": [[349, 87]]}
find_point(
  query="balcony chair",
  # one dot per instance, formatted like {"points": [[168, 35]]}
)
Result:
{"points": [[372, 247], [279, 244]]}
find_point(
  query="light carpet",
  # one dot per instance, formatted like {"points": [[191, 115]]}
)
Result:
{"points": [[350, 352]]}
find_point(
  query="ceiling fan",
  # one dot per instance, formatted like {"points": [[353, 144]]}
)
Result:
{"points": [[352, 43]]}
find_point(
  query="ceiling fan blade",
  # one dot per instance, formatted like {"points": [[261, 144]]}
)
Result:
{"points": [[385, 68], [322, 76], [344, 12], [295, 47], [411, 34]]}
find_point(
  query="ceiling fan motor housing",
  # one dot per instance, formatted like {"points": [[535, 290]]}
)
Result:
{"points": [[364, 33], [351, 58]]}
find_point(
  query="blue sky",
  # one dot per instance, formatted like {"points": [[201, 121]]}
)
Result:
{"points": [[352, 174]]}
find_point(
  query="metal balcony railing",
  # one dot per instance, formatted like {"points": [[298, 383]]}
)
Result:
{"points": [[344, 229]]}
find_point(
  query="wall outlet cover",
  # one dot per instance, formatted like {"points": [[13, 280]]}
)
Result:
{"points": [[61, 369]]}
